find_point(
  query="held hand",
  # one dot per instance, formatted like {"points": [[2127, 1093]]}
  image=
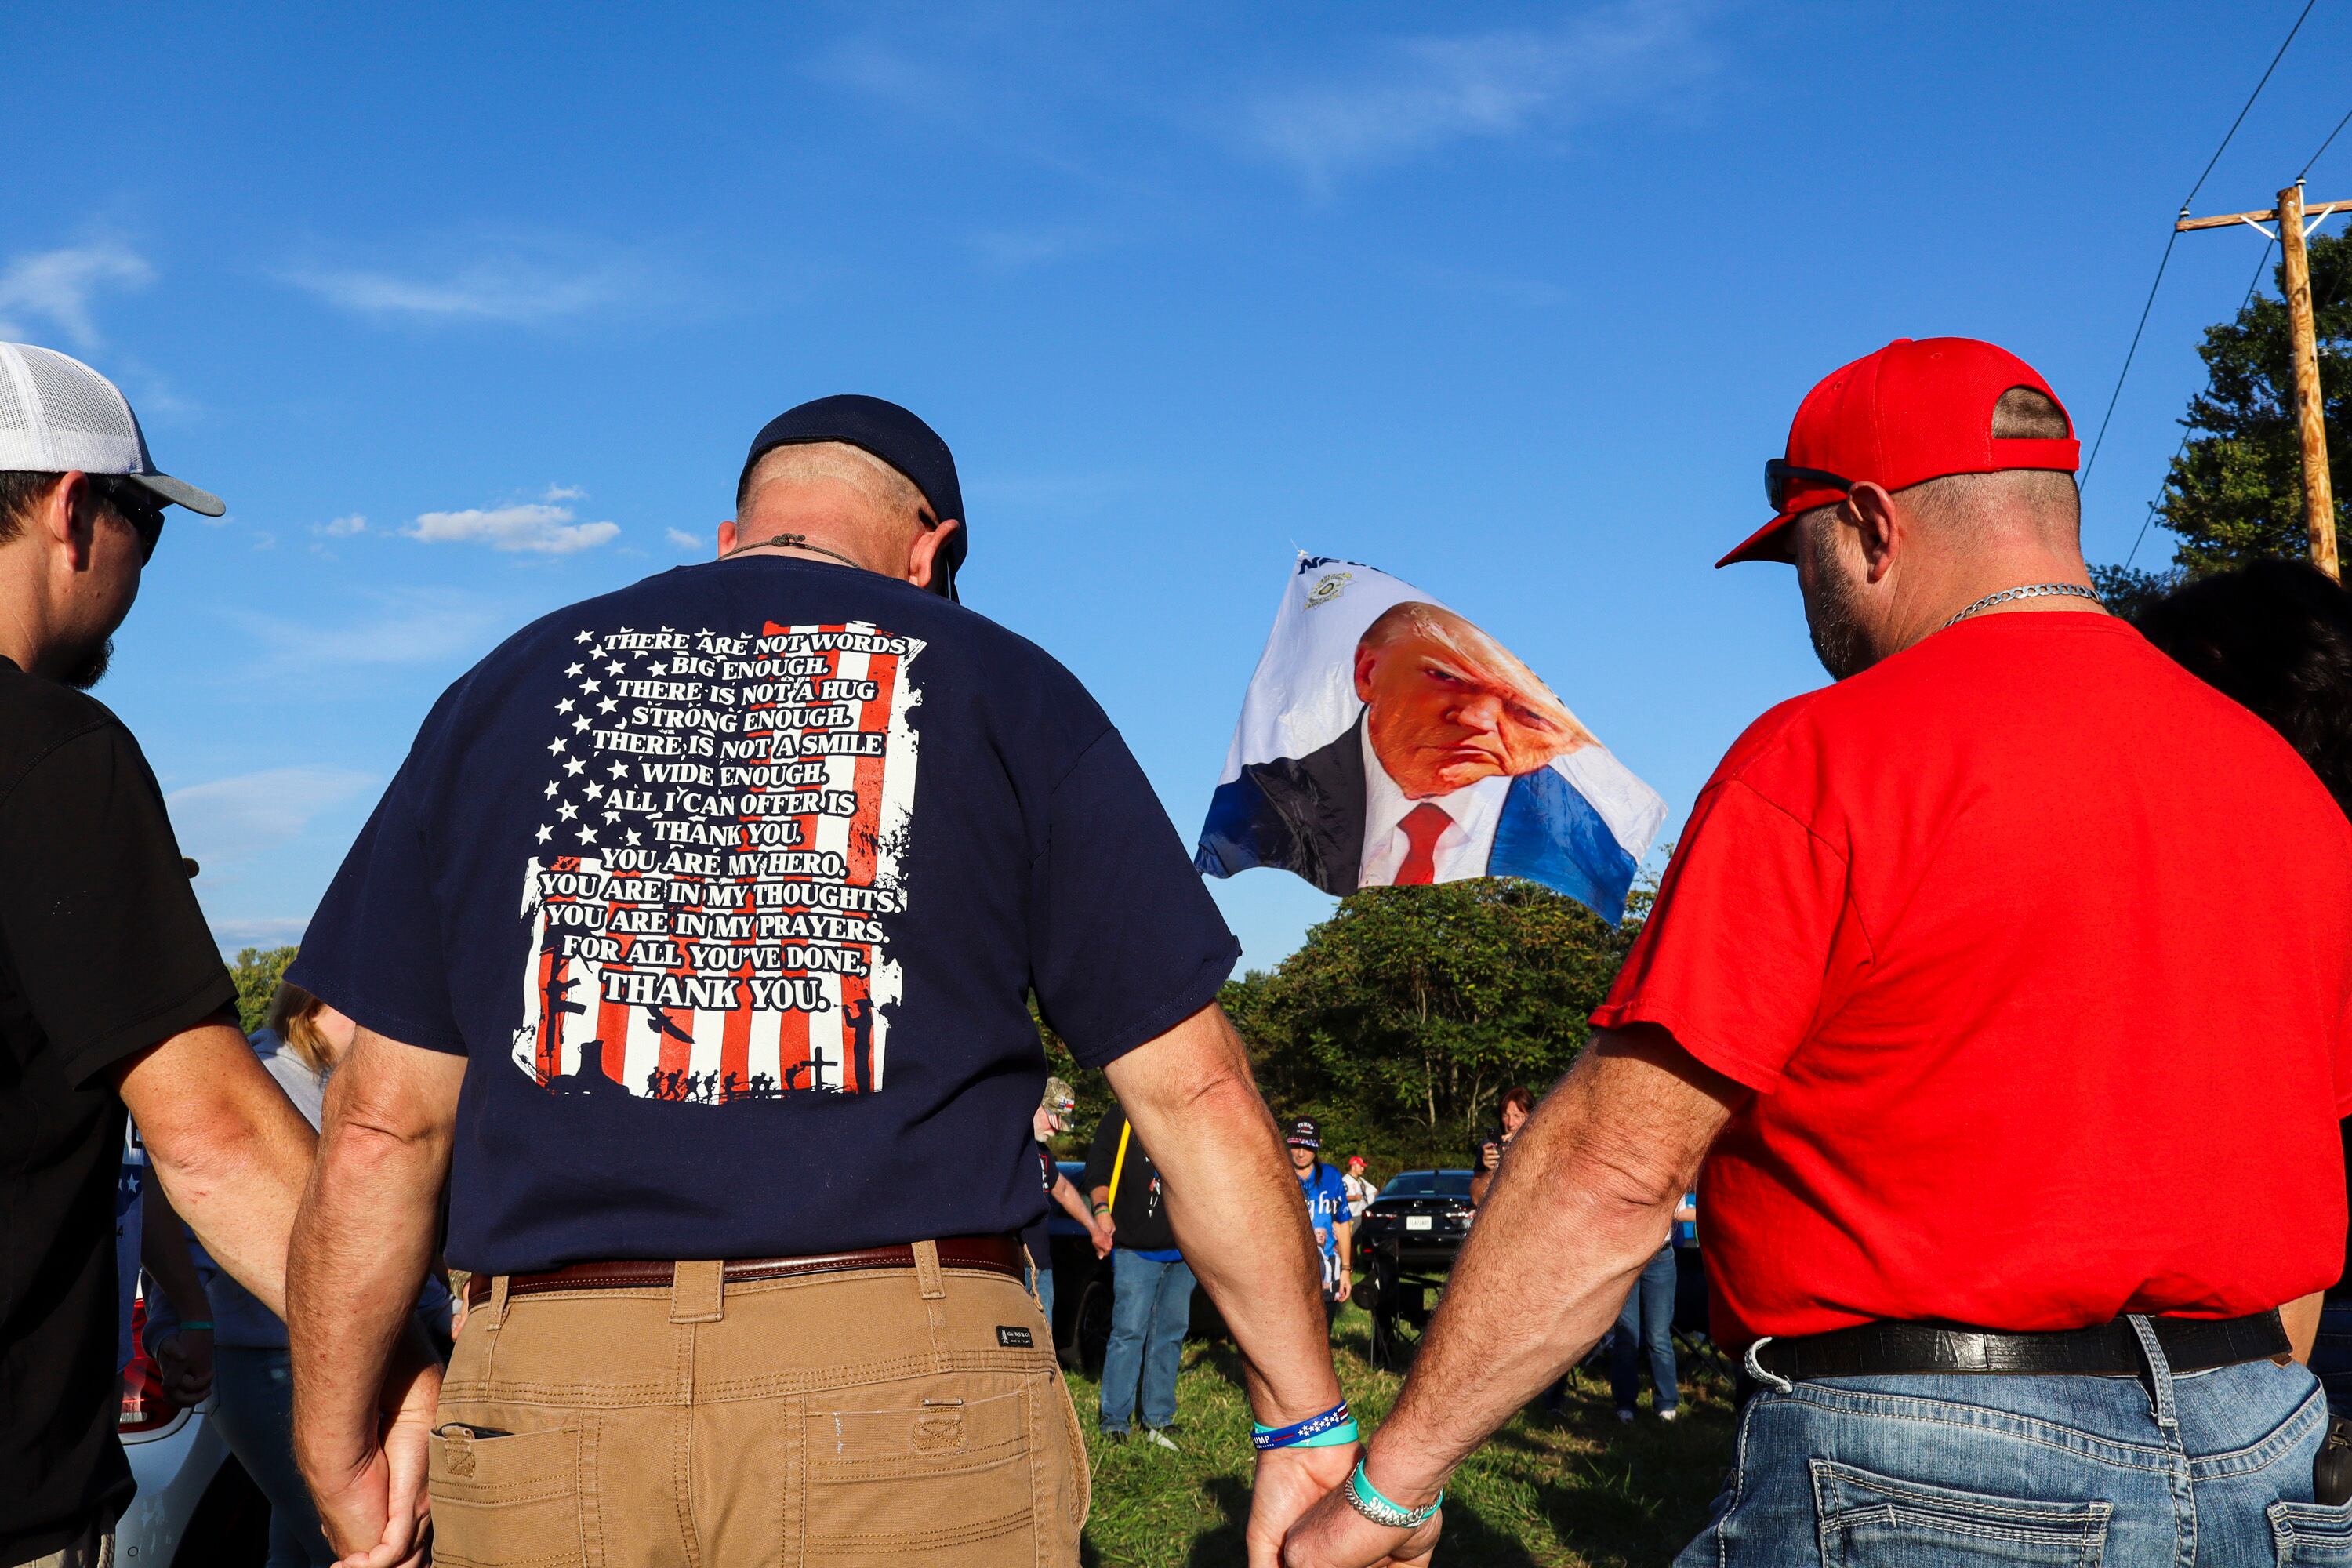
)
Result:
{"points": [[1332, 1535], [186, 1360], [1288, 1483], [1109, 1227], [1347, 1283], [1100, 1233], [374, 1507]]}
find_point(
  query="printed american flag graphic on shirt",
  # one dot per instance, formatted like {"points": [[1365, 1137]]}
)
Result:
{"points": [[717, 865]]}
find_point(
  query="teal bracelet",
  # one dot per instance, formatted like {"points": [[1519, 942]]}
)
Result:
{"points": [[1366, 1500], [1345, 1432], [193, 1324]]}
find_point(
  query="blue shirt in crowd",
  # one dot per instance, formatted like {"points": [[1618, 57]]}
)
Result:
{"points": [[1327, 1205]]}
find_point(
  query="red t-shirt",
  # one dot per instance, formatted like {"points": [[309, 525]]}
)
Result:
{"points": [[2038, 953]]}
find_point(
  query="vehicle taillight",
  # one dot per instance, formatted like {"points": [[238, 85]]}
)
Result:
{"points": [[144, 1405]]}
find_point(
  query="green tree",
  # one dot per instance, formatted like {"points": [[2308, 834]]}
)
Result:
{"points": [[1405, 1015], [2235, 492], [258, 970]]}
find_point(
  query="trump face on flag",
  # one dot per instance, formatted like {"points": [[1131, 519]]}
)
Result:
{"points": [[1457, 761]]}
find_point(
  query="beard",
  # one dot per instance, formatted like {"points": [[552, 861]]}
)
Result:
{"points": [[88, 670], [1830, 613]]}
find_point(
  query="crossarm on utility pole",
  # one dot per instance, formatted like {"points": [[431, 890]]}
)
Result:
{"points": [[2295, 220]]}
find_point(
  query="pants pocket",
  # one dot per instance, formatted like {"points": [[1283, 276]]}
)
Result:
{"points": [[505, 1501], [2312, 1532], [941, 1479], [1871, 1521]]}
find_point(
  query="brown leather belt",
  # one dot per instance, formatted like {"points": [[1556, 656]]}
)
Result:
{"points": [[993, 1254]]}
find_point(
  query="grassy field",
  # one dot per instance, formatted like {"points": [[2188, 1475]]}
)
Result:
{"points": [[1577, 1489]]}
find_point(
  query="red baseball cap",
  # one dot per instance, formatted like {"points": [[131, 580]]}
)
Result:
{"points": [[1912, 412]]}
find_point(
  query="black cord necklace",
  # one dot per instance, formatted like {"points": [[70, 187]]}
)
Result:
{"points": [[795, 542]]}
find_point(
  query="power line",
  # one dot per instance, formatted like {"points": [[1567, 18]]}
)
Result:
{"points": [[2260, 266], [2324, 145], [2164, 260]]}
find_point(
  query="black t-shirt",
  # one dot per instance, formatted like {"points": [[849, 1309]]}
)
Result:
{"points": [[731, 888], [1038, 1236], [103, 953], [1139, 1216]]}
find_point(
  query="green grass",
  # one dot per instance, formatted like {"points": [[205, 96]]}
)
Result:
{"points": [[1577, 1489]]}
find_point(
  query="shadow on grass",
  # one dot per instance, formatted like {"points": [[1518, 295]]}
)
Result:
{"points": [[1468, 1540]]}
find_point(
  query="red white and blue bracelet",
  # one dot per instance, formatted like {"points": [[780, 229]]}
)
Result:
{"points": [[1329, 1430]]}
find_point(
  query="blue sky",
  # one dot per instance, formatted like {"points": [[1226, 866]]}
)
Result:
{"points": [[469, 311]]}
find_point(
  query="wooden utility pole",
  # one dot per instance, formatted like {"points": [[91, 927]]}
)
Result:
{"points": [[2318, 490]]}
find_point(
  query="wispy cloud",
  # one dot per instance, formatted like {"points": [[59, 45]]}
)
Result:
{"points": [[1033, 246], [341, 527], [541, 526], [684, 540], [58, 286], [1424, 93], [407, 628], [511, 288], [281, 931], [231, 820]]}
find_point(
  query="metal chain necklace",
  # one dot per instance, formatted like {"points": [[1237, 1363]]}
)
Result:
{"points": [[2031, 591]]}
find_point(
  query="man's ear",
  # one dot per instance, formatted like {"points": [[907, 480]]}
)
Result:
{"points": [[727, 536], [1879, 524], [68, 516], [1364, 657], [921, 559]]}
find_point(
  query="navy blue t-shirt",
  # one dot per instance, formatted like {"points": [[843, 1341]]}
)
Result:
{"points": [[731, 888]]}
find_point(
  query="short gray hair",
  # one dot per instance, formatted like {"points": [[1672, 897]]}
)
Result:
{"points": [[803, 462]]}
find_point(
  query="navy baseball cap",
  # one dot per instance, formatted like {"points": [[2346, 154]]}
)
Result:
{"points": [[890, 432], [1306, 1134]]}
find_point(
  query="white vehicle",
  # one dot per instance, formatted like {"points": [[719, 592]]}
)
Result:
{"points": [[195, 1507]]}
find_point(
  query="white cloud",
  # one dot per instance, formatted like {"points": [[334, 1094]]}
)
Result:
{"points": [[341, 527], [563, 493], [1428, 92], [235, 819], [505, 288], [56, 286], [529, 525], [440, 627], [684, 540]]}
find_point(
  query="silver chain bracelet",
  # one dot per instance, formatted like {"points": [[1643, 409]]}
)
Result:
{"points": [[2031, 591]]}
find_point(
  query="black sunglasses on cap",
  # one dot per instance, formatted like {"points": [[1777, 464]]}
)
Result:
{"points": [[1783, 479]]}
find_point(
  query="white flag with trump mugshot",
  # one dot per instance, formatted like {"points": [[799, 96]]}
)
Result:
{"points": [[1386, 741]]}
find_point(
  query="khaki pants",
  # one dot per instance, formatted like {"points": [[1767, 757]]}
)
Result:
{"points": [[874, 1417], [94, 1550]]}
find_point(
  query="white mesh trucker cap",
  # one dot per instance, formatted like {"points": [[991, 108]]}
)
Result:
{"points": [[57, 414]]}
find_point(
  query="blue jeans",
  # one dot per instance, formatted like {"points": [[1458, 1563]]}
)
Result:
{"points": [[1150, 1306], [2209, 1469], [1041, 1282], [1647, 1323], [254, 1405]]}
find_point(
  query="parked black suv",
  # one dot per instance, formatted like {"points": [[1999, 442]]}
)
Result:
{"points": [[1418, 1221]]}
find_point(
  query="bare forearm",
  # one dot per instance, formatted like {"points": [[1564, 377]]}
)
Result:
{"points": [[360, 1248], [1072, 1205], [1569, 1222], [229, 1149], [1235, 1208], [163, 1253]]}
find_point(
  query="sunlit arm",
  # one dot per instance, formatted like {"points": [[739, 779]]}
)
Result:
{"points": [[1582, 1203], [228, 1147], [361, 1246], [1241, 1223]]}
